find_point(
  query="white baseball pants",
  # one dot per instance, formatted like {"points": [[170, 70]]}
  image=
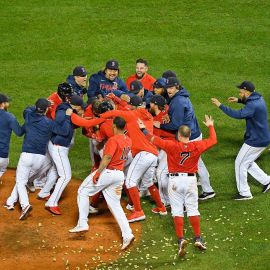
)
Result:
{"points": [[28, 162], [3, 165], [162, 177], [142, 167], [244, 164], [203, 173], [183, 191], [110, 183], [59, 155]]}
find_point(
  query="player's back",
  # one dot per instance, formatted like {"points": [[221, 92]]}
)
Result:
{"points": [[118, 147]]}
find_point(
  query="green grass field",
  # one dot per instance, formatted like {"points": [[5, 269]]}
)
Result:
{"points": [[211, 45]]}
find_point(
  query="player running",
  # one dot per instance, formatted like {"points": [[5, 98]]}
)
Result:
{"points": [[183, 157], [109, 179]]}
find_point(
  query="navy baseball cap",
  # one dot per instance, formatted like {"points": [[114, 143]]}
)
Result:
{"points": [[158, 100], [42, 104], [159, 83], [246, 85], [79, 71], [135, 87], [4, 98], [76, 100], [136, 101], [172, 81], [112, 64], [168, 73]]}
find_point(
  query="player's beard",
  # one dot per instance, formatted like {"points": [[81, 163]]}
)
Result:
{"points": [[152, 111], [139, 76]]}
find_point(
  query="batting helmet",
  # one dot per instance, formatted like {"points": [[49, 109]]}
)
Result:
{"points": [[104, 107], [65, 91]]}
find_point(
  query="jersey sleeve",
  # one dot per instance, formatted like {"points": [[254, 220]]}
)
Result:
{"points": [[246, 112], [205, 144], [15, 126], [110, 147], [114, 113], [79, 121], [162, 144]]}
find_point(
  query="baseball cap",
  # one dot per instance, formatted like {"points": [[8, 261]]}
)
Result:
{"points": [[79, 71], [159, 83], [42, 104], [112, 64], [135, 87], [249, 86], [158, 100], [136, 101], [168, 73], [76, 100], [172, 81], [4, 98]]}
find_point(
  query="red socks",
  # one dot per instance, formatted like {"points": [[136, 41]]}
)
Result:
{"points": [[135, 198], [179, 226], [127, 193], [195, 223], [156, 196], [95, 199]]}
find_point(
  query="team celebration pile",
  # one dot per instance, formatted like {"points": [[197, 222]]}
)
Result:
{"points": [[144, 139]]}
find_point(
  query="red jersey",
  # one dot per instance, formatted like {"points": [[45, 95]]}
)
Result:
{"points": [[184, 157], [105, 130], [88, 112], [161, 132], [139, 141], [147, 81], [55, 100], [118, 148], [81, 122]]}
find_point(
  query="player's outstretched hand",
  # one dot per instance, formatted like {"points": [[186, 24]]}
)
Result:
{"points": [[125, 97], [233, 99], [96, 177], [140, 123], [209, 121], [69, 112], [215, 102]]}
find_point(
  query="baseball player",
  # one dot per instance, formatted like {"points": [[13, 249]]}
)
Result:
{"points": [[157, 109], [183, 156], [141, 74], [38, 130], [144, 158], [59, 148], [107, 81], [181, 112], [109, 179], [8, 123], [256, 138], [78, 80]]}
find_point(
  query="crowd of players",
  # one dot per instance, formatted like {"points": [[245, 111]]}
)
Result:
{"points": [[143, 136]]}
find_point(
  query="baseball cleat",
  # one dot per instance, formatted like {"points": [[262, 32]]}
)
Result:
{"points": [[239, 197], [92, 210], [160, 210], [9, 207], [78, 229], [198, 243], [30, 187], [207, 195], [44, 198], [266, 188], [136, 216], [54, 209], [130, 207], [25, 212], [127, 242], [182, 244]]}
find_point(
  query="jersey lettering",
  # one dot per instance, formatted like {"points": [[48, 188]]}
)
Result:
{"points": [[185, 156], [125, 152]]}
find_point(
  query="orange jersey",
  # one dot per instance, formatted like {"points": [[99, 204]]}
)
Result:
{"points": [[119, 103], [55, 100], [88, 112], [81, 122], [160, 132], [184, 157], [139, 141], [118, 148], [147, 81]]}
